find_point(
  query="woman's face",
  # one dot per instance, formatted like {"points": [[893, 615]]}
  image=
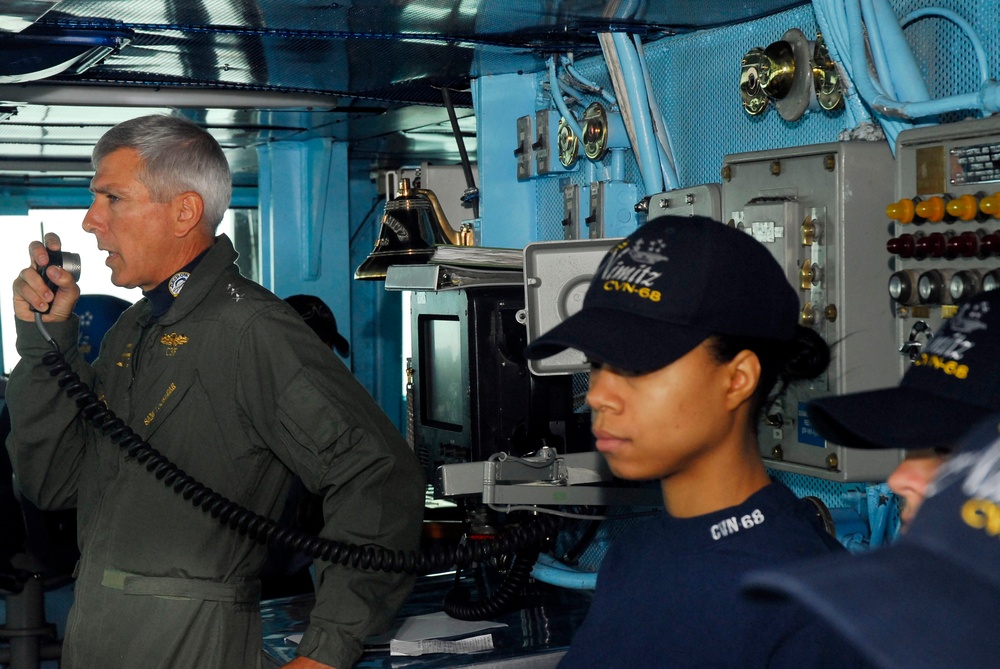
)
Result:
{"points": [[654, 425]]}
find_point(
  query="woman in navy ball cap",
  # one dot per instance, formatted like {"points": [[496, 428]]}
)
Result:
{"points": [[689, 325]]}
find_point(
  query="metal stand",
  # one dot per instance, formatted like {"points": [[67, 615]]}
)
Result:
{"points": [[30, 639]]}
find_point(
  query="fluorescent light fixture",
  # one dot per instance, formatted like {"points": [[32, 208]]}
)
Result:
{"points": [[16, 15]]}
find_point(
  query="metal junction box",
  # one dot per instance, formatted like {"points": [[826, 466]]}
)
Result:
{"points": [[820, 209]]}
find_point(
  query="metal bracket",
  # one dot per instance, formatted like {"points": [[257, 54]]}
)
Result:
{"points": [[545, 478]]}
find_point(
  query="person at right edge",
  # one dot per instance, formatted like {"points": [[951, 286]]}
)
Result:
{"points": [[688, 326]]}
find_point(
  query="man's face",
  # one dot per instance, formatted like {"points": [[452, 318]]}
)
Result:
{"points": [[135, 231], [910, 479]]}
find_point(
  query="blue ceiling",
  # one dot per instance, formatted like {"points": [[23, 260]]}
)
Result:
{"points": [[363, 71]]}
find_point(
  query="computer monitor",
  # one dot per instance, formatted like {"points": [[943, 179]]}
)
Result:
{"points": [[472, 391]]}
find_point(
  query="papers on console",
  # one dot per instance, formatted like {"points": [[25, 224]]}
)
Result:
{"points": [[432, 633]]}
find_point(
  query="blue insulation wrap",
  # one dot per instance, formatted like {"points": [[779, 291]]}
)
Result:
{"points": [[548, 570]]}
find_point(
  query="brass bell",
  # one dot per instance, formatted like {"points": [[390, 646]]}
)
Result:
{"points": [[412, 225]]}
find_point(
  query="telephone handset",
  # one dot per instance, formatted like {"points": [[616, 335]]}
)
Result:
{"points": [[69, 262], [524, 541]]}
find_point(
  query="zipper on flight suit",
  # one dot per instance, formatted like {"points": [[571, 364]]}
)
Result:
{"points": [[134, 365]]}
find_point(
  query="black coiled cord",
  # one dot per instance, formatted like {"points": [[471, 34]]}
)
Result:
{"points": [[521, 540], [457, 604]]}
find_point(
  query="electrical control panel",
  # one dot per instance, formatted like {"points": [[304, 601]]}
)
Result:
{"points": [[546, 144], [820, 210], [524, 152], [576, 208], [943, 239], [612, 209]]}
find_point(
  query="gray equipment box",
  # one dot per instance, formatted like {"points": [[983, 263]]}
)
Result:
{"points": [[820, 209], [556, 276]]}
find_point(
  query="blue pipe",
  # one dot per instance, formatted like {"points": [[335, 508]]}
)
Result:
{"points": [[986, 99], [832, 26], [877, 48], [608, 97], [852, 531], [627, 9], [965, 26], [880, 499], [904, 72], [664, 153], [556, 92], [616, 172], [549, 570], [670, 181], [646, 152], [838, 30], [569, 90]]}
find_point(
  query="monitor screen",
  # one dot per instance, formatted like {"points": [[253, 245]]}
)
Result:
{"points": [[443, 387]]}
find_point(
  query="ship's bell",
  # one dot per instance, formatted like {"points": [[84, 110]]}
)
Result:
{"points": [[412, 225]]}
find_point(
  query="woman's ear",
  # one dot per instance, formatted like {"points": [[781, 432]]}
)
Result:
{"points": [[744, 375]]}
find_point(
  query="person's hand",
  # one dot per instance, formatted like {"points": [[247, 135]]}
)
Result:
{"points": [[305, 663], [30, 289]]}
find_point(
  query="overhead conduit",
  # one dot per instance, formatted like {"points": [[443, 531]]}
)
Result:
{"points": [[899, 96]]}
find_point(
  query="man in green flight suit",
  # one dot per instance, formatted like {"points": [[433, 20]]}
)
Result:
{"points": [[225, 380]]}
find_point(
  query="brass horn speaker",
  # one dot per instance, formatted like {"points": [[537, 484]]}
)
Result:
{"points": [[412, 225]]}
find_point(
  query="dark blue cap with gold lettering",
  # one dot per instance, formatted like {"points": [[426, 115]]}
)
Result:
{"points": [[953, 383], [670, 285]]}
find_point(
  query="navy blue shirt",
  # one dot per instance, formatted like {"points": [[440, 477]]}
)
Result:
{"points": [[668, 593]]}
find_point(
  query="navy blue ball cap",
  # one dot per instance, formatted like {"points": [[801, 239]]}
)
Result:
{"points": [[320, 318], [932, 599], [670, 285], [953, 383]]}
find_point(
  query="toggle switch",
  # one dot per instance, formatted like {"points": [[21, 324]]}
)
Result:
{"points": [[810, 275], [809, 315], [810, 231]]}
